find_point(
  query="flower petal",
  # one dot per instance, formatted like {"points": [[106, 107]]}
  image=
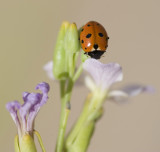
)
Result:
{"points": [[24, 95], [13, 107], [118, 96], [30, 100], [135, 89], [89, 83], [44, 87], [104, 75], [29, 110], [49, 70], [122, 95]]}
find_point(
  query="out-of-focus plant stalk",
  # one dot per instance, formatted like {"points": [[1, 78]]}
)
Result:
{"points": [[70, 51], [79, 137]]}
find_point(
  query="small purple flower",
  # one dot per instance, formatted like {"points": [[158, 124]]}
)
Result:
{"points": [[104, 75], [24, 115]]}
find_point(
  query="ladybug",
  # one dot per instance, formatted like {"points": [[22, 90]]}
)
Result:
{"points": [[94, 39]]}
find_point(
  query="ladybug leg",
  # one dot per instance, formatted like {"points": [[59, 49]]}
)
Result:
{"points": [[86, 53]]}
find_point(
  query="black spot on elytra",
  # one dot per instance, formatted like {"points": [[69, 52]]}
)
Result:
{"points": [[85, 48], [82, 30], [88, 25], [88, 35], [98, 24], [82, 41], [100, 34]]}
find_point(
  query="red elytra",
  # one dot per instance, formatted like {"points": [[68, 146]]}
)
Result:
{"points": [[94, 39]]}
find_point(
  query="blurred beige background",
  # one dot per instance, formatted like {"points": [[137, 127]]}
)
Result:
{"points": [[28, 31]]}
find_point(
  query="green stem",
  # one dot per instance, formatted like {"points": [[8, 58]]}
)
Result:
{"points": [[63, 123], [65, 109], [62, 88], [78, 72], [40, 140]]}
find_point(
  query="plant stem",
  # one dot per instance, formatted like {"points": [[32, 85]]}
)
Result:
{"points": [[78, 72], [40, 140], [65, 109], [63, 123]]}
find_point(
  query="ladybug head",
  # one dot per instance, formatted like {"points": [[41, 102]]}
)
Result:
{"points": [[96, 54]]}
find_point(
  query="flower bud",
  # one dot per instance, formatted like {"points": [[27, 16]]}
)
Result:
{"points": [[16, 144], [71, 42], [59, 59], [27, 144]]}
